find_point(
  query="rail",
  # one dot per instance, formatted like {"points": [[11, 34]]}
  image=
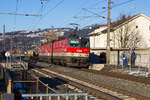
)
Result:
{"points": [[81, 84]]}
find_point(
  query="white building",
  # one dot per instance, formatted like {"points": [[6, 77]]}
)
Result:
{"points": [[139, 24], [96, 36]]}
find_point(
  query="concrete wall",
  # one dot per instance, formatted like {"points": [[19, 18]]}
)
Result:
{"points": [[142, 58]]}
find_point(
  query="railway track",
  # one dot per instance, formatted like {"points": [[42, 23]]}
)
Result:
{"points": [[55, 85], [99, 90], [79, 84], [107, 72], [63, 86]]}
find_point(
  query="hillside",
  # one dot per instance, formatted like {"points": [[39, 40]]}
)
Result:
{"points": [[27, 40]]}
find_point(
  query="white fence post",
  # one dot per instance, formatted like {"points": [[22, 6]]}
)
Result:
{"points": [[149, 63]]}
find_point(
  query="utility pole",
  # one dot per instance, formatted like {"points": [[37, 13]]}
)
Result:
{"points": [[11, 46], [108, 35], [4, 44], [11, 43]]}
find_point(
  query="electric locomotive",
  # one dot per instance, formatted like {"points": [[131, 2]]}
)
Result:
{"points": [[69, 52]]}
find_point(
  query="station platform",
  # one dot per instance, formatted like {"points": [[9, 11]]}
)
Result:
{"points": [[14, 64]]}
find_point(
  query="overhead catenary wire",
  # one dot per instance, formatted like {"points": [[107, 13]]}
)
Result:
{"points": [[97, 3], [122, 3], [79, 11], [116, 5], [48, 12], [40, 12], [91, 7], [43, 5], [93, 13], [16, 12], [19, 14]]}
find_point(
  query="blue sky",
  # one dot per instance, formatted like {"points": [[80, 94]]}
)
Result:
{"points": [[59, 13]]}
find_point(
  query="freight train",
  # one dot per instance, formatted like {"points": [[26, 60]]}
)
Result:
{"points": [[68, 52]]}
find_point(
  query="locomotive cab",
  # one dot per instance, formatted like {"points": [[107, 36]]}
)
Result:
{"points": [[79, 49], [79, 43]]}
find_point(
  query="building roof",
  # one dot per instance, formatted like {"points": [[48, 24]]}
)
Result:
{"points": [[123, 21], [100, 28]]}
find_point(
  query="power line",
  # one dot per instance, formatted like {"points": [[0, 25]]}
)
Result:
{"points": [[98, 2], [19, 14], [82, 5], [93, 13], [90, 10], [16, 11], [77, 13], [42, 2], [40, 12], [122, 3], [50, 10], [119, 4], [43, 5], [85, 16]]}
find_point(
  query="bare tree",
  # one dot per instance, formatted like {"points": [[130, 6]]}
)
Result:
{"points": [[127, 36]]}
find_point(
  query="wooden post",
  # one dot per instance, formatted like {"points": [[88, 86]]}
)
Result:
{"points": [[47, 91], [37, 87], [118, 53], [9, 87]]}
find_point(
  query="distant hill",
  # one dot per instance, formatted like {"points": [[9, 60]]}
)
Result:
{"points": [[27, 40]]}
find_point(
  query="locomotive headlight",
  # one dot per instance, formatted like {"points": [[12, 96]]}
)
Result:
{"points": [[79, 50]]}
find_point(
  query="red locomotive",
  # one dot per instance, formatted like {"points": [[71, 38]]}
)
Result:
{"points": [[70, 52]]}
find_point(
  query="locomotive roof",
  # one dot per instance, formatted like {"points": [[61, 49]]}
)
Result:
{"points": [[64, 39]]}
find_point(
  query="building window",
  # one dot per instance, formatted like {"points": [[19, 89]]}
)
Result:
{"points": [[136, 26]]}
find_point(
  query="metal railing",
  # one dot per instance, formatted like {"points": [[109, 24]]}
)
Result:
{"points": [[57, 95]]}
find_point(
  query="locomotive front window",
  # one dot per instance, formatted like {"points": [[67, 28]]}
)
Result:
{"points": [[74, 43]]}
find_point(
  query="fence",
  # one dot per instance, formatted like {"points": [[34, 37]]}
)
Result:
{"points": [[47, 93], [142, 61], [65, 96]]}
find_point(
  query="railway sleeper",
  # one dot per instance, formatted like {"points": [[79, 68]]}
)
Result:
{"points": [[102, 85], [98, 94], [90, 90], [139, 97]]}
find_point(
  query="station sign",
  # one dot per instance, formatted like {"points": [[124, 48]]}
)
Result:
{"points": [[7, 54]]}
